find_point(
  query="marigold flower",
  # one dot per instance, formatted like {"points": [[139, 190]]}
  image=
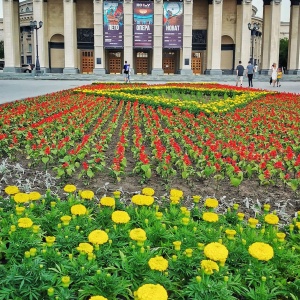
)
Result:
{"points": [[211, 203], [19, 210], [98, 298], [267, 207], [177, 245], [210, 217], [117, 194], [196, 198], [252, 222], [138, 234], [142, 200], [25, 223], [86, 194], [189, 252], [158, 263], [174, 199], [298, 225], [148, 191], [70, 188], [158, 215], [151, 292], [21, 198], [230, 233], [78, 209], [261, 251], [34, 196], [66, 219], [11, 190], [209, 266], [281, 236], [176, 193], [120, 217], [98, 237], [216, 252], [271, 219], [108, 201], [185, 221], [241, 216], [85, 248], [50, 240], [65, 281]]}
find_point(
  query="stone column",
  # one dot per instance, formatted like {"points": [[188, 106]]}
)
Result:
{"points": [[271, 30], [186, 55], [243, 34], [214, 37], [40, 14], [128, 31], [98, 38], [11, 26], [157, 38], [293, 64], [70, 37]]}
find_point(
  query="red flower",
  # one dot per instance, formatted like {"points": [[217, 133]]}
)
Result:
{"points": [[85, 165], [65, 165], [47, 150]]}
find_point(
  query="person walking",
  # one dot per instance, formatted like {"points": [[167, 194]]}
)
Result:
{"points": [[274, 74], [126, 68], [279, 76], [255, 71], [239, 74], [250, 72]]}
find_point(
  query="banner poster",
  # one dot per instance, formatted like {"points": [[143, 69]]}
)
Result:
{"points": [[173, 25], [143, 24], [113, 24]]}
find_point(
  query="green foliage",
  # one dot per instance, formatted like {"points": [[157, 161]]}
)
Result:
{"points": [[1, 49], [283, 52]]}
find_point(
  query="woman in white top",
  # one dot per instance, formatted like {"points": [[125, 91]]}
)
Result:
{"points": [[274, 74]]}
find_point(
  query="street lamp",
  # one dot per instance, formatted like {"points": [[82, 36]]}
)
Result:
{"points": [[254, 32], [34, 26]]}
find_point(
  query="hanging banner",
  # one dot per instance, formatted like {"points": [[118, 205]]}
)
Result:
{"points": [[113, 24], [143, 25], [173, 25]]}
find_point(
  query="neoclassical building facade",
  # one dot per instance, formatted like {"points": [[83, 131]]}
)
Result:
{"points": [[155, 37]]}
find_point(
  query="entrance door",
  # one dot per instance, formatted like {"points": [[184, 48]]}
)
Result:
{"points": [[142, 62], [196, 62], [115, 62], [169, 58], [87, 61]]}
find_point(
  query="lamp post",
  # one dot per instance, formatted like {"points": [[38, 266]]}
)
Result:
{"points": [[254, 32], [36, 27]]}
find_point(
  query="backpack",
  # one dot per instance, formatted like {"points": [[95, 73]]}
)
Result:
{"points": [[126, 69]]}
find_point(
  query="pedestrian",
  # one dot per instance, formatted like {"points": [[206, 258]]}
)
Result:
{"points": [[255, 71], [126, 71], [274, 74], [129, 72], [239, 74], [249, 72], [279, 76]]}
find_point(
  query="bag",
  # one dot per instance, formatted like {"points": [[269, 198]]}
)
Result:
{"points": [[126, 69], [125, 72], [271, 80]]}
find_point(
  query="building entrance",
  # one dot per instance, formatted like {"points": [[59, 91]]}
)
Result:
{"points": [[142, 62], [196, 62], [169, 62], [87, 61], [114, 62]]}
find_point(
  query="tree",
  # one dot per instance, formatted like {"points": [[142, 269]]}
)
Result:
{"points": [[283, 52], [1, 49]]}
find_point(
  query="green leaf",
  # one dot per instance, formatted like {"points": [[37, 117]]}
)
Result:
{"points": [[184, 174], [293, 184], [90, 173], [148, 173], [45, 159], [235, 181]]}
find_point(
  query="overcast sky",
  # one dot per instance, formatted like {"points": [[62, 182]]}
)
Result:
{"points": [[285, 9]]}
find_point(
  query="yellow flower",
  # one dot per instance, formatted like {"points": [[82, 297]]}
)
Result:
{"points": [[158, 263], [185, 221], [196, 198], [78, 209], [108, 201], [241, 216], [138, 234], [209, 266], [70, 188], [174, 199], [189, 252], [50, 240], [151, 292], [298, 225], [177, 245], [21, 198], [65, 281], [148, 191], [142, 200], [25, 222], [281, 236], [176, 193], [34, 196], [85, 248], [230, 233], [158, 215], [120, 217], [117, 194], [211, 203], [19, 210], [267, 207], [216, 252], [210, 217], [66, 219], [86, 194], [261, 251], [252, 222], [98, 298], [11, 190], [271, 219], [98, 237]]}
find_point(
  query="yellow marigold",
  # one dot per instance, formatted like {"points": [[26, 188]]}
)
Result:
{"points": [[209, 266], [151, 292], [216, 252], [138, 234], [120, 217], [108, 201], [34, 196], [241, 216], [252, 222], [19, 210], [176, 193], [66, 219], [271, 219], [98, 298], [261, 251], [298, 225], [85, 247], [86, 194], [158, 263], [148, 191], [230, 233], [210, 217], [21, 198], [70, 188], [211, 203], [174, 199], [98, 237], [25, 222], [11, 190], [78, 209], [142, 200], [281, 236]]}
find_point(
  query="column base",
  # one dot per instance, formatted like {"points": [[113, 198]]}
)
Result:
{"points": [[157, 72], [293, 72], [99, 71], [186, 72], [11, 70], [213, 72], [71, 71], [264, 72]]}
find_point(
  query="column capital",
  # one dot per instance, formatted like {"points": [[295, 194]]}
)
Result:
{"points": [[295, 2], [247, 1], [215, 1], [268, 2]]}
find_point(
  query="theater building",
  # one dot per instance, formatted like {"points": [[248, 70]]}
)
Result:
{"points": [[156, 37]]}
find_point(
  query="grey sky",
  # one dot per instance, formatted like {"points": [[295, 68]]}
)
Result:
{"points": [[285, 9]]}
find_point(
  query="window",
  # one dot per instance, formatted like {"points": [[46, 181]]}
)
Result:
{"points": [[29, 48]]}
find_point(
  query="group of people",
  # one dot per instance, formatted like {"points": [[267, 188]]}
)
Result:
{"points": [[251, 70]]}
